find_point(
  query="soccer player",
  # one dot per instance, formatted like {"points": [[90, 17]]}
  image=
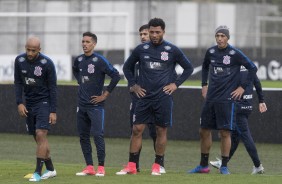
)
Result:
{"points": [[242, 130], [223, 63], [156, 82], [144, 37], [89, 70], [35, 77]]}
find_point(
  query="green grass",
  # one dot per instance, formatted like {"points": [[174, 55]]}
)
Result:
{"points": [[17, 158]]}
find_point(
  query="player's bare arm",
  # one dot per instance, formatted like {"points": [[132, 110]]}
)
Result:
{"points": [[237, 94], [169, 89], [140, 92], [101, 98], [22, 110], [52, 118], [204, 91]]}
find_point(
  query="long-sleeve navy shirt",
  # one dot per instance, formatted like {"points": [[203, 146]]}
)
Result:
{"points": [[37, 79], [246, 103], [156, 67], [90, 72], [223, 66]]}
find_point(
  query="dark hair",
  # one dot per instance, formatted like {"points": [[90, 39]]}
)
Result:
{"points": [[145, 26], [155, 22], [92, 35]]}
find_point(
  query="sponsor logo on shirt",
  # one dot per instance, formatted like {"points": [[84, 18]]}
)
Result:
{"points": [[80, 59], [146, 46], [211, 51], [232, 52], [95, 59], [30, 81], [43, 61], [91, 68], [164, 56], [247, 107], [212, 61], [24, 71], [167, 47], [38, 71], [248, 96], [21, 59], [146, 57], [226, 60]]}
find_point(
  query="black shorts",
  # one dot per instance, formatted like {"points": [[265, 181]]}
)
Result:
{"points": [[220, 116], [160, 110], [38, 117]]}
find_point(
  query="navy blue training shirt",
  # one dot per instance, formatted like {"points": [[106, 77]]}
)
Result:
{"points": [[89, 72], [223, 66], [38, 80], [156, 67], [246, 103]]}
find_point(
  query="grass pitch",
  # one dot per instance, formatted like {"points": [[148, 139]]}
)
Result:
{"points": [[17, 158]]}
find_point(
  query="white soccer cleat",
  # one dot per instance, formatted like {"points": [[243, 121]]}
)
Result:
{"points": [[48, 174], [162, 170], [216, 164], [258, 170]]}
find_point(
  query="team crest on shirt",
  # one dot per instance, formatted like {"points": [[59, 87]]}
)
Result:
{"points": [[95, 59], [146, 46], [167, 47], [91, 68], [21, 59], [80, 59], [164, 56], [43, 61], [38, 71], [226, 60], [232, 52]]}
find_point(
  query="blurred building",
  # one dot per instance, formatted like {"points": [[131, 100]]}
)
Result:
{"points": [[255, 27]]}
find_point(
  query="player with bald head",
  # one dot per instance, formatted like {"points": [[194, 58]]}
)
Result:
{"points": [[35, 79]]}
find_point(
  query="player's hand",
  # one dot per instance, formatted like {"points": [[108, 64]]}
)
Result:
{"points": [[204, 91], [22, 110], [101, 98], [262, 107], [52, 118], [140, 92], [169, 89], [237, 94]]}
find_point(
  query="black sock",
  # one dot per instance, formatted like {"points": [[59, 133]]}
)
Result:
{"points": [[137, 161], [204, 159], [39, 165], [101, 163], [224, 161], [134, 157], [159, 159], [49, 164]]}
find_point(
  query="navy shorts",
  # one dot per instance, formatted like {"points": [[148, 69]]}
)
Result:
{"points": [[160, 110], [220, 116], [90, 120], [38, 117]]}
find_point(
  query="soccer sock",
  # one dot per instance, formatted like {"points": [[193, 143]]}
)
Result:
{"points": [[138, 156], [39, 165], [133, 157], [224, 161], [159, 159], [162, 162], [49, 164], [101, 163], [204, 159]]}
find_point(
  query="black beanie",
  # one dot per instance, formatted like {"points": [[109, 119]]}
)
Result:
{"points": [[223, 29]]}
